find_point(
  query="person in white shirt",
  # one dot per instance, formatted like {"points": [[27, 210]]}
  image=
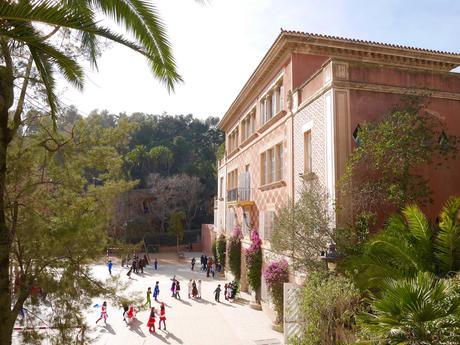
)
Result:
{"points": [[199, 288]]}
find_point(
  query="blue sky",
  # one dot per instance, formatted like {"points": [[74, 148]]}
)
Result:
{"points": [[218, 45]]}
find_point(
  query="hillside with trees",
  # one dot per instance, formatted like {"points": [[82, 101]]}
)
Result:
{"points": [[172, 161]]}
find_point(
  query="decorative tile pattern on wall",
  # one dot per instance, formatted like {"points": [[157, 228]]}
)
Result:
{"points": [[313, 112]]}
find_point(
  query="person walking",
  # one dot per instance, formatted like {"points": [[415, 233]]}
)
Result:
{"points": [[225, 291], [189, 288], [103, 313], [125, 312], [202, 262], [194, 290], [151, 321], [199, 288], [193, 263], [205, 261], [155, 264], [109, 265], [156, 291], [173, 287], [130, 271], [213, 270], [177, 289], [149, 293], [162, 316], [217, 293]]}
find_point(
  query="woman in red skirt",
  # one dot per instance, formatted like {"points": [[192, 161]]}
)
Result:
{"points": [[162, 316], [151, 322]]}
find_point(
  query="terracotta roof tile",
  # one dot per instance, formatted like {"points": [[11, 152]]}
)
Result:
{"points": [[353, 40]]}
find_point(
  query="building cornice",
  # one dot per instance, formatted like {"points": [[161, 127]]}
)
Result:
{"points": [[342, 48]]}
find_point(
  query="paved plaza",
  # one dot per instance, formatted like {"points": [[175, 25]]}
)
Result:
{"points": [[189, 321]]}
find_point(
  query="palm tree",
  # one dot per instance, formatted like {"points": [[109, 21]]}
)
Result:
{"points": [[418, 310], [28, 27], [407, 270], [410, 244]]}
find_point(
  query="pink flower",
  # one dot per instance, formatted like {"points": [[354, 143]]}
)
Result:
{"points": [[277, 272]]}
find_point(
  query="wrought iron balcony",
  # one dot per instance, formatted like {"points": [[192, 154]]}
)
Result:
{"points": [[232, 195], [240, 195]]}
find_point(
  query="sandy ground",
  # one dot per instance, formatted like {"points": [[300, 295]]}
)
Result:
{"points": [[189, 321]]}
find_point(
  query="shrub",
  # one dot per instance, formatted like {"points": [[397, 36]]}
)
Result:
{"points": [[277, 273], [221, 246], [234, 252], [214, 249], [329, 306], [254, 262]]}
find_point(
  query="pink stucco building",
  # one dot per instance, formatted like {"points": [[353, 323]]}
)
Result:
{"points": [[298, 112]]}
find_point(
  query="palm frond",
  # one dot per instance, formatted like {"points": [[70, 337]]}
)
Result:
{"points": [[447, 243], [142, 20]]}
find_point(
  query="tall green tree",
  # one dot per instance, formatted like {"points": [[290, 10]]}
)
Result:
{"points": [[58, 217], [176, 226], [29, 53]]}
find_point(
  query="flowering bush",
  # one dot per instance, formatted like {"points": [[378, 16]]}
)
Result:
{"points": [[221, 245], [275, 274], [234, 252], [254, 261]]}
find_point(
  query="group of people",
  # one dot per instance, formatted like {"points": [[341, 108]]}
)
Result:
{"points": [[138, 264], [208, 265], [194, 289]]}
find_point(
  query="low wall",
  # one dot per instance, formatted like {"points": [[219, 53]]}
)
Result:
{"points": [[196, 247], [207, 237]]}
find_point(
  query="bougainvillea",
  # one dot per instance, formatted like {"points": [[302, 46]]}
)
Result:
{"points": [[254, 261], [275, 275], [234, 252], [221, 245]]}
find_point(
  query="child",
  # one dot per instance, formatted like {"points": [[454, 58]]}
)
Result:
{"points": [[103, 313], [162, 316], [149, 292], [125, 312], [225, 291], [194, 290], [151, 322], [193, 264], [213, 270], [156, 291], [177, 289], [173, 287], [155, 264], [131, 313], [217, 293], [199, 288], [109, 265]]}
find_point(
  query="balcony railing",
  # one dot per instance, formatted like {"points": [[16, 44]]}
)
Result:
{"points": [[232, 195], [239, 194]]}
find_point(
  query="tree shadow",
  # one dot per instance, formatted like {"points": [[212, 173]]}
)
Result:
{"points": [[173, 337], [134, 326], [239, 301], [227, 304]]}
